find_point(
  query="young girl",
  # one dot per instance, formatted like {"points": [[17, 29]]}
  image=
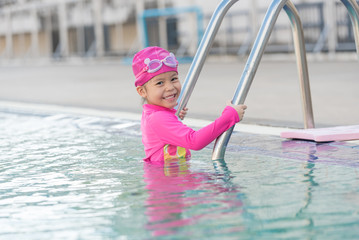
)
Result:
{"points": [[164, 136]]}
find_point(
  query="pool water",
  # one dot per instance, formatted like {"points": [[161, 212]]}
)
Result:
{"points": [[81, 177]]}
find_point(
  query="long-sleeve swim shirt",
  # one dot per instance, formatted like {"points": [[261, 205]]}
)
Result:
{"points": [[164, 136]]}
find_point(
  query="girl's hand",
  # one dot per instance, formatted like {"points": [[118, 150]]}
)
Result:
{"points": [[183, 113], [239, 108]]}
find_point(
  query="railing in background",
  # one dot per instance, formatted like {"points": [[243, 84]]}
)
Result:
{"points": [[151, 16], [79, 28], [232, 37]]}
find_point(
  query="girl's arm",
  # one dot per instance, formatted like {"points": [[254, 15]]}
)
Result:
{"points": [[172, 131]]}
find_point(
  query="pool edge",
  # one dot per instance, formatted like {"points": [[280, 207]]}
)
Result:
{"points": [[196, 123]]}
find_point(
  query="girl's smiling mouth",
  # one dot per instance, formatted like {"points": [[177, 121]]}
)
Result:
{"points": [[169, 97]]}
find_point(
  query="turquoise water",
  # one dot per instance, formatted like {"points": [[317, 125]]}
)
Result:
{"points": [[81, 177]]}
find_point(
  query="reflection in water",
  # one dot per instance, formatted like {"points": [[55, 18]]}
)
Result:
{"points": [[178, 197], [311, 149], [79, 177]]}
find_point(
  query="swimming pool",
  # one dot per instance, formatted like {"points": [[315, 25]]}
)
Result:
{"points": [[82, 177]]}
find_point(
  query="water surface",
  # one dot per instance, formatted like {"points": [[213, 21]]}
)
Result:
{"points": [[82, 177]]}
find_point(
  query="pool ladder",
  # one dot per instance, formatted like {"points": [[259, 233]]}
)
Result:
{"points": [[255, 57]]}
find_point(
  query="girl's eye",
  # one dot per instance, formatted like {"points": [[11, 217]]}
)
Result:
{"points": [[159, 83], [174, 79]]}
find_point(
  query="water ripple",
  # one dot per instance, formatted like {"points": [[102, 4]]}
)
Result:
{"points": [[80, 177]]}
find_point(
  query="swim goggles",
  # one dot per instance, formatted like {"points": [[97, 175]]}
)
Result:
{"points": [[156, 64]]}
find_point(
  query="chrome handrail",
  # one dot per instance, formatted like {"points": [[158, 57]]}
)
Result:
{"points": [[255, 57], [252, 62], [353, 10], [202, 52]]}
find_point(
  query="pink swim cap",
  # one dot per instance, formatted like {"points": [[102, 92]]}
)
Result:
{"points": [[151, 62]]}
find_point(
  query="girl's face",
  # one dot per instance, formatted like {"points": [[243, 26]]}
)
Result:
{"points": [[162, 90]]}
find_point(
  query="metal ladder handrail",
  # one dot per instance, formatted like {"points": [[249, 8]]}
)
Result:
{"points": [[202, 52], [252, 63], [299, 45], [255, 57], [353, 10], [204, 48]]}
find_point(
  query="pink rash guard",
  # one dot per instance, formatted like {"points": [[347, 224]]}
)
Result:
{"points": [[166, 137]]}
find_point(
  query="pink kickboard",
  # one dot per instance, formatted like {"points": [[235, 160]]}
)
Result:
{"points": [[342, 133]]}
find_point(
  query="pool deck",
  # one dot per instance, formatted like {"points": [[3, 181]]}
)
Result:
{"points": [[273, 100]]}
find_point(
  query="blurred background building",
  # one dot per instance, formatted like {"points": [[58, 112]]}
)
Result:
{"points": [[61, 29]]}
